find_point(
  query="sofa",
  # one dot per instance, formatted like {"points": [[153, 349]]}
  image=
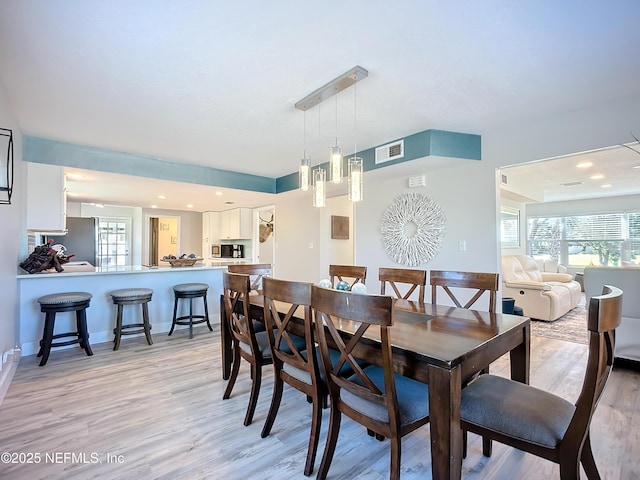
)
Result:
{"points": [[541, 295], [628, 280]]}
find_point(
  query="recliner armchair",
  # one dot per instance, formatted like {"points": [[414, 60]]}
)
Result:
{"points": [[541, 295]]}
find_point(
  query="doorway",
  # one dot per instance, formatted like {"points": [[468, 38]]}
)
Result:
{"points": [[164, 235]]}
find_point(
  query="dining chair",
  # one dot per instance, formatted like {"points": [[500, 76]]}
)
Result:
{"points": [[353, 272], [414, 279], [256, 270], [480, 281], [374, 396], [539, 422], [247, 343], [285, 303]]}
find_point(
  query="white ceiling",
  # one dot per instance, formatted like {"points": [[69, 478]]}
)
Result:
{"points": [[214, 83]]}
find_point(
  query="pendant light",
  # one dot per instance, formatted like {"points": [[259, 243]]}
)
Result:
{"points": [[335, 156], [319, 179], [355, 169], [304, 172]]}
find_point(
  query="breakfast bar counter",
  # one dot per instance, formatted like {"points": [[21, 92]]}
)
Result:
{"points": [[99, 282]]}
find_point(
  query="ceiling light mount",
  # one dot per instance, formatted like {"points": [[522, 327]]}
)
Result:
{"points": [[335, 86]]}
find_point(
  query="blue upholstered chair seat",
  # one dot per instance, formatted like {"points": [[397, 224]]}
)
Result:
{"points": [[265, 349], [413, 397], [303, 376], [516, 410]]}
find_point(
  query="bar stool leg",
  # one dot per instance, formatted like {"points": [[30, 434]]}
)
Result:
{"points": [[83, 333], [206, 313], [190, 317], [145, 321], [118, 330], [175, 315], [45, 343]]}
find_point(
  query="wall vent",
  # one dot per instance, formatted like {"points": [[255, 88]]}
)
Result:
{"points": [[390, 151], [571, 184], [504, 179], [417, 181]]}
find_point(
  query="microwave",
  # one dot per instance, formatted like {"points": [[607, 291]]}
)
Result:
{"points": [[228, 250]]}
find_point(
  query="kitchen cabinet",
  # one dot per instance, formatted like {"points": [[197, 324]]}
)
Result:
{"points": [[210, 232], [236, 224], [46, 198]]}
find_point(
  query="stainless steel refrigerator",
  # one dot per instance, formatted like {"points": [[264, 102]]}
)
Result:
{"points": [[81, 239]]}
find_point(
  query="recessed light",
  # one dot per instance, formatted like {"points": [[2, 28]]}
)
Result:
{"points": [[606, 185], [154, 206], [637, 166], [189, 206], [596, 177], [584, 165], [72, 194], [161, 197], [75, 176], [218, 193]]}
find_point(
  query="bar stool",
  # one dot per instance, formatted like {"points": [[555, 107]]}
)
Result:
{"points": [[190, 291], [64, 302], [132, 296]]}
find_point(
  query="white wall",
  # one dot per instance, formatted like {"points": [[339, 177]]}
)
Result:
{"points": [[14, 247]]}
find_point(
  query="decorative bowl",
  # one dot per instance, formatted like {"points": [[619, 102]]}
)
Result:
{"points": [[182, 262]]}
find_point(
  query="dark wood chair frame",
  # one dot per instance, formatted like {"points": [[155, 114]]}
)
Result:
{"points": [[296, 295], [417, 279], [236, 288], [330, 306], [255, 270], [575, 446], [355, 272]]}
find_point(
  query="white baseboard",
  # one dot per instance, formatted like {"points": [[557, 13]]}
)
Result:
{"points": [[9, 368]]}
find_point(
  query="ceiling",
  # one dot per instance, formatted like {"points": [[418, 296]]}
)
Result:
{"points": [[215, 83]]}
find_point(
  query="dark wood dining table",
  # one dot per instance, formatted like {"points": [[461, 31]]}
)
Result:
{"points": [[442, 346]]}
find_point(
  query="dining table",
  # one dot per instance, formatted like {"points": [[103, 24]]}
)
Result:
{"points": [[442, 346]]}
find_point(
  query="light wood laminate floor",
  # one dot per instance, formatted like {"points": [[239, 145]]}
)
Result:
{"points": [[156, 412]]}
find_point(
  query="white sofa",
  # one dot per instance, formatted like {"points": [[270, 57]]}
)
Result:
{"points": [[541, 295], [628, 280]]}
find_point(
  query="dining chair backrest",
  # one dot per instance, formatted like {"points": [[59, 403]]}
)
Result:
{"points": [[236, 287], [285, 303], [255, 270], [413, 279], [480, 281], [338, 273]]}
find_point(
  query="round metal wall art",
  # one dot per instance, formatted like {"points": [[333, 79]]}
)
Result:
{"points": [[412, 228]]}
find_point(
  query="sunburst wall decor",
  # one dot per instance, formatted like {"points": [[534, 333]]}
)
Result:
{"points": [[412, 228]]}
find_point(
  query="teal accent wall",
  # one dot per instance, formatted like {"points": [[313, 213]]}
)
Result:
{"points": [[40, 150], [423, 144]]}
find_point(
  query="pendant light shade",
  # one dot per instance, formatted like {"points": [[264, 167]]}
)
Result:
{"points": [[335, 164], [319, 187], [304, 174], [356, 172]]}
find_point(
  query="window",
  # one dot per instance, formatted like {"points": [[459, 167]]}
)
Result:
{"points": [[603, 239], [115, 241]]}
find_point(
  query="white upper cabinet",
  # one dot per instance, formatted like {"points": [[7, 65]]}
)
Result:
{"points": [[236, 224], [46, 198], [210, 232]]}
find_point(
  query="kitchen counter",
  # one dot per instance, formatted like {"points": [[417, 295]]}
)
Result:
{"points": [[101, 314]]}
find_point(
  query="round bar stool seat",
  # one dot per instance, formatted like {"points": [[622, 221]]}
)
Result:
{"points": [[132, 296], [190, 291], [64, 302]]}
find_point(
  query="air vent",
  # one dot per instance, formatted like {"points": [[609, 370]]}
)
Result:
{"points": [[417, 181], [504, 179], [571, 184], [391, 151]]}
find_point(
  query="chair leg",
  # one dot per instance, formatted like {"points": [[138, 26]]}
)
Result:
{"points": [[206, 313], [330, 446], [394, 470], [118, 329], [234, 371], [588, 462], [191, 317], [464, 443], [175, 315], [255, 391], [275, 403], [569, 468], [316, 423], [47, 338], [81, 324], [147, 324], [487, 447]]}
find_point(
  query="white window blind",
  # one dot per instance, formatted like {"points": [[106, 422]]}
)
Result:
{"points": [[595, 227]]}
